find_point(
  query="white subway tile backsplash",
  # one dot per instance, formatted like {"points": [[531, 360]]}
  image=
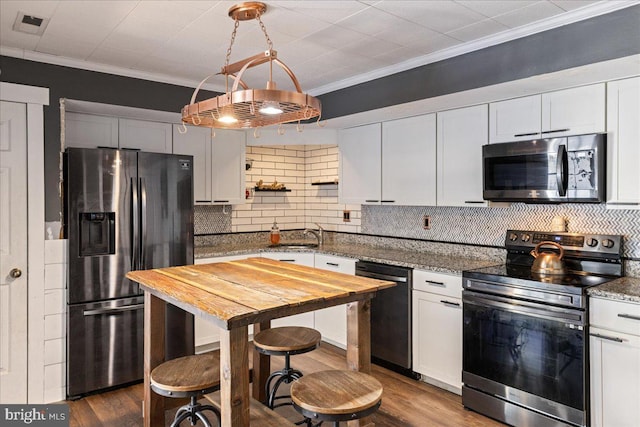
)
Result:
{"points": [[55, 251], [54, 395], [55, 376], [54, 351], [54, 301], [55, 326], [55, 276], [296, 167]]}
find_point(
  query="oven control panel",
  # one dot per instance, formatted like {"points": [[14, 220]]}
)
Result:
{"points": [[597, 243]]}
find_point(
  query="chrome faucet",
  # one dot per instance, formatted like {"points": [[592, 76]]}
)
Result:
{"points": [[317, 233]]}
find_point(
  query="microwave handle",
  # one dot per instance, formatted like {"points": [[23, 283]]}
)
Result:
{"points": [[562, 170]]}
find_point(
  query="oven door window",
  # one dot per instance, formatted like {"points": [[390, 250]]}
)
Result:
{"points": [[536, 355], [522, 172]]}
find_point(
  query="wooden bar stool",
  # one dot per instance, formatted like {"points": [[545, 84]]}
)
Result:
{"points": [[336, 395], [189, 376], [285, 341]]}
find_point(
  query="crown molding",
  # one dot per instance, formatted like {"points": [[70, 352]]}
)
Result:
{"points": [[101, 68], [581, 14]]}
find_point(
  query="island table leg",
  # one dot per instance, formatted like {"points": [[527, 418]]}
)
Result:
{"points": [[234, 377], [261, 366], [359, 345], [154, 337]]}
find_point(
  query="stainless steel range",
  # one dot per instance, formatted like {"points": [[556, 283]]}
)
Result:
{"points": [[525, 333]]}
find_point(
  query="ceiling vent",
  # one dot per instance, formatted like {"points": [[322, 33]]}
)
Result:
{"points": [[30, 24]]}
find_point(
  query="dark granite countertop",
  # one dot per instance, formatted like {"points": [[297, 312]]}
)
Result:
{"points": [[623, 289], [451, 264]]}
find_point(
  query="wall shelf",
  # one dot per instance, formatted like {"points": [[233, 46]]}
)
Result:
{"points": [[282, 190]]}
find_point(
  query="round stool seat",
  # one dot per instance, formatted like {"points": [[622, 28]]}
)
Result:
{"points": [[287, 339], [189, 376], [190, 373], [336, 395]]}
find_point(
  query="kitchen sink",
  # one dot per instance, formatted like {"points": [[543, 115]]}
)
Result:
{"points": [[295, 245]]}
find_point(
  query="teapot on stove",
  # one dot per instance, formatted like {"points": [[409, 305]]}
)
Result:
{"points": [[548, 262]]}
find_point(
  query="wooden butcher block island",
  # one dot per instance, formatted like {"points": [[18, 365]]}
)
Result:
{"points": [[236, 294]]}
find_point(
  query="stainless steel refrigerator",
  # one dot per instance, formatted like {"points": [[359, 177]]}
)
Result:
{"points": [[124, 210]]}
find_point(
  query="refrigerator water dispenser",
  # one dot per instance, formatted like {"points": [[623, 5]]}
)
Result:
{"points": [[97, 233]]}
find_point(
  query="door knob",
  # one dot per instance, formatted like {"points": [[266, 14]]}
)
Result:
{"points": [[15, 273]]}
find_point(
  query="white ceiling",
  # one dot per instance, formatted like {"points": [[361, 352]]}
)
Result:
{"points": [[328, 44]]}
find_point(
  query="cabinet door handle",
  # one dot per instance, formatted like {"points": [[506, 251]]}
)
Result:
{"points": [[449, 303], [203, 201], [438, 284], [371, 201], [556, 130], [525, 134], [628, 316], [472, 202], [605, 337], [333, 264], [220, 201], [387, 201], [287, 260]]}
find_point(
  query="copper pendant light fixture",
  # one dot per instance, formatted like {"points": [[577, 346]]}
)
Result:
{"points": [[251, 108]]}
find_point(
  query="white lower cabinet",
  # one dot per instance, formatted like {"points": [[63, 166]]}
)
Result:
{"points": [[437, 329], [615, 363], [302, 258], [206, 333], [332, 322]]}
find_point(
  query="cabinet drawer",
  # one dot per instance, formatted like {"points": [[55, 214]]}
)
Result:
{"points": [[437, 283], [334, 263], [617, 316]]}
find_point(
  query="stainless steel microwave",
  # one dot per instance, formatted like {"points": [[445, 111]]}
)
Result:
{"points": [[554, 170]]}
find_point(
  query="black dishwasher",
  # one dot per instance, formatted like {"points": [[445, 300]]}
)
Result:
{"points": [[390, 317]]}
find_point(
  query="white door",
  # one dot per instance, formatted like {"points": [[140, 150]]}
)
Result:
{"points": [[13, 252]]}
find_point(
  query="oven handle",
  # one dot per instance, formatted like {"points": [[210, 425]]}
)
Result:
{"points": [[529, 309]]}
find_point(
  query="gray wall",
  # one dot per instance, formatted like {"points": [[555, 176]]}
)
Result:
{"points": [[598, 39]]}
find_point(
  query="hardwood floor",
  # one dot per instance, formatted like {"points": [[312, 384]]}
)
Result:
{"points": [[405, 402]]}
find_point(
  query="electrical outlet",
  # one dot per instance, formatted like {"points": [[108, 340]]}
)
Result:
{"points": [[426, 222], [346, 216]]}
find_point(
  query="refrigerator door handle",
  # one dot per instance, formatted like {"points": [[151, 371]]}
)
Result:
{"points": [[143, 222], [113, 310], [134, 224]]}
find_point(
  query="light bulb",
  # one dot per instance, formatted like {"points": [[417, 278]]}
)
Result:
{"points": [[271, 108], [227, 118]]}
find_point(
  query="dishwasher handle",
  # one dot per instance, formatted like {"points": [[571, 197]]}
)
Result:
{"points": [[380, 276]]}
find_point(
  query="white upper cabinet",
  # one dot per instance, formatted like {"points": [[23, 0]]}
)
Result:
{"points": [[408, 148], [574, 111], [228, 167], [388, 163], [218, 171], [90, 131], [623, 142], [94, 131], [197, 143], [516, 119], [360, 164], [461, 135], [154, 137]]}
